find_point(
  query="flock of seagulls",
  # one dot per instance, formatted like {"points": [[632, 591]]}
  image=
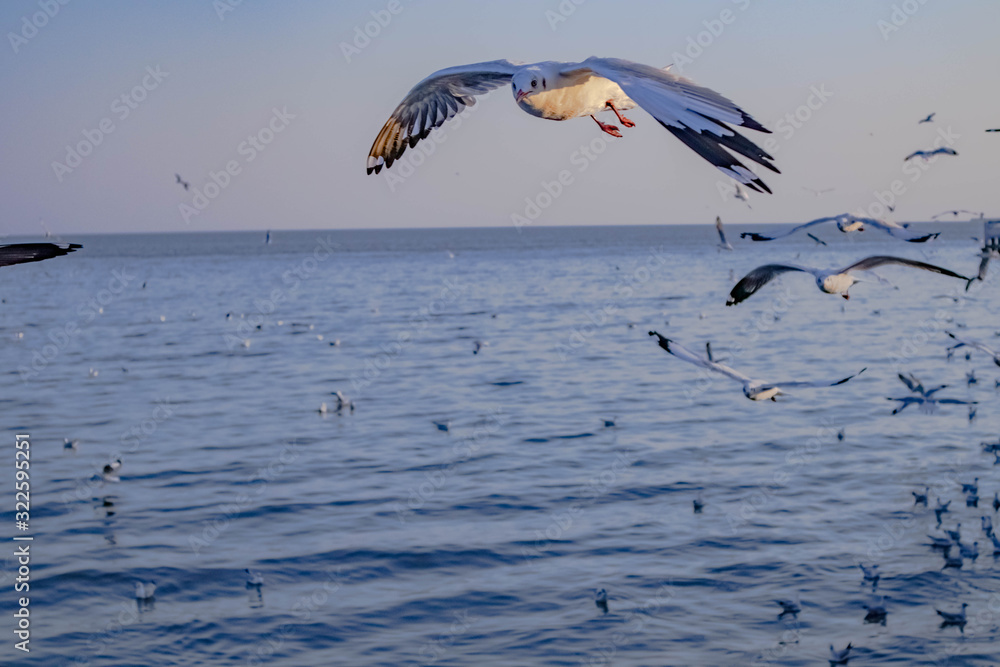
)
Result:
{"points": [[848, 223]]}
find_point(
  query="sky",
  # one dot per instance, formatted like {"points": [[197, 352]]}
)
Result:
{"points": [[269, 109]]}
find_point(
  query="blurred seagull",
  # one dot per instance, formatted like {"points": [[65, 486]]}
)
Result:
{"points": [[848, 223], [955, 535], [870, 573], [996, 501], [929, 119], [926, 155], [443, 426], [956, 213], [953, 618], [831, 281], [22, 253], [181, 181], [973, 344], [971, 488], [343, 403], [916, 386], [254, 579], [698, 116], [941, 542], [840, 657], [145, 591], [788, 607], [110, 469], [741, 193], [70, 444], [601, 600], [723, 243], [921, 498], [876, 611], [941, 508], [755, 390]]}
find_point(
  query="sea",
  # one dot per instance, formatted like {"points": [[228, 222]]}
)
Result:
{"points": [[507, 442]]}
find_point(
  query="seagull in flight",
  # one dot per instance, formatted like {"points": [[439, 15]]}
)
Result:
{"points": [[831, 281], [956, 213], [953, 618], [850, 223], [995, 129], [145, 591], [926, 155], [698, 116], [917, 387], [181, 181], [975, 345], [723, 243], [929, 119], [840, 657], [22, 253], [755, 390], [741, 193]]}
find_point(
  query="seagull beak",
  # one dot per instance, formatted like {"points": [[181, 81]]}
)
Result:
{"points": [[520, 95]]}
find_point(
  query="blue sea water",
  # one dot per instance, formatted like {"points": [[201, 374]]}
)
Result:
{"points": [[201, 361]]}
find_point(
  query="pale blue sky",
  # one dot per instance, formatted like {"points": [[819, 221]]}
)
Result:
{"points": [[224, 77]]}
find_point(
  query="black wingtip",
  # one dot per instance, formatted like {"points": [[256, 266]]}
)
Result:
{"points": [[754, 236]]}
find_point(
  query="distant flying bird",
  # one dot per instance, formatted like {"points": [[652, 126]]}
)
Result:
{"points": [[953, 618], [22, 253], [181, 181], [875, 611], [70, 444], [741, 193], [840, 657], [755, 390], [696, 115], [927, 404], [815, 238], [850, 223], [443, 426], [926, 155], [916, 386], [995, 129], [601, 600], [254, 579], [920, 498], [956, 213], [818, 193], [973, 344], [723, 243], [929, 119], [831, 281], [788, 607], [343, 403], [111, 468]]}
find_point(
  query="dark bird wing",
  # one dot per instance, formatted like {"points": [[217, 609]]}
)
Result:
{"points": [[21, 253], [876, 261], [687, 355], [696, 115], [756, 279], [912, 383], [821, 383], [816, 238], [433, 101]]}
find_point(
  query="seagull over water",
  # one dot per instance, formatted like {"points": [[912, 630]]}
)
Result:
{"points": [[928, 119], [698, 116], [755, 390], [22, 253], [723, 243], [848, 223], [975, 345], [831, 281], [145, 591], [840, 657]]}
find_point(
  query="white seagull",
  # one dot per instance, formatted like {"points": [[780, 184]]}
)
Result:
{"points": [[840, 657], [928, 119], [254, 579], [831, 281], [698, 116], [723, 243], [145, 591], [755, 390], [927, 155], [975, 345], [741, 193], [22, 253], [850, 223]]}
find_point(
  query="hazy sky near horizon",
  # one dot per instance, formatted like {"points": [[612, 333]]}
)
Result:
{"points": [[198, 82]]}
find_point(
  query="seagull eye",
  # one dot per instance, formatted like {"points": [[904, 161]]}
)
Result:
{"points": [[534, 82]]}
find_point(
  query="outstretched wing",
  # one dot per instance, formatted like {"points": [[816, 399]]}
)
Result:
{"points": [[21, 253], [696, 115], [431, 102], [816, 238], [895, 229], [687, 355], [834, 383], [754, 236], [912, 383], [869, 263], [756, 279]]}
